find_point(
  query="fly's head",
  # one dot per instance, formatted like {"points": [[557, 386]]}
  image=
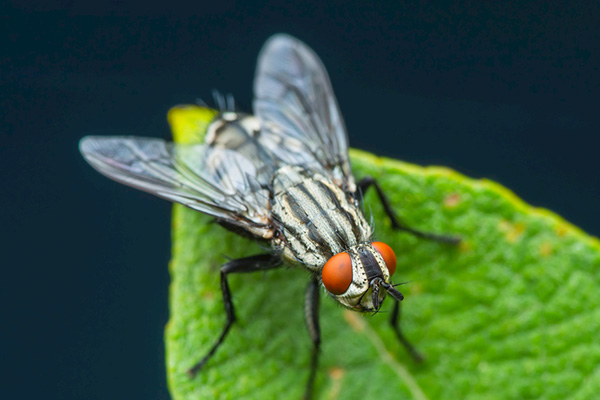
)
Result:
{"points": [[360, 278]]}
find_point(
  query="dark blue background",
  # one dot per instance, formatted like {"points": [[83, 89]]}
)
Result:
{"points": [[502, 91]]}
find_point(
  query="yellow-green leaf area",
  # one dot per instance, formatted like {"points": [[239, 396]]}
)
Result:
{"points": [[511, 313]]}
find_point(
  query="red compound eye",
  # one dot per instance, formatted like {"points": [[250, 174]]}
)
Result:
{"points": [[388, 255], [337, 273]]}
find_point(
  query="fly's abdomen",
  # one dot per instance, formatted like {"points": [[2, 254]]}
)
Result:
{"points": [[315, 217]]}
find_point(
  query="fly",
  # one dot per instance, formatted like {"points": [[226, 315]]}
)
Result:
{"points": [[281, 176]]}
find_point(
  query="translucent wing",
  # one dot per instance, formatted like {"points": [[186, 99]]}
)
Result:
{"points": [[215, 181], [301, 119]]}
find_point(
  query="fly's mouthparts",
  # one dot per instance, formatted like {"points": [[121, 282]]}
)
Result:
{"points": [[375, 285]]}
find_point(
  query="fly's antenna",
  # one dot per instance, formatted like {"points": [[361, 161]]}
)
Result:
{"points": [[392, 291]]}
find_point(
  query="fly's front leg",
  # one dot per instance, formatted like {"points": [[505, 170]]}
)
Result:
{"points": [[369, 181], [260, 262], [395, 322], [311, 313]]}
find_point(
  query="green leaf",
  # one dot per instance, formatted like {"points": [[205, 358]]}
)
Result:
{"points": [[512, 313]]}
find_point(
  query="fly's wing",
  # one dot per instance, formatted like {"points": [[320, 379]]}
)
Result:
{"points": [[215, 181], [301, 119]]}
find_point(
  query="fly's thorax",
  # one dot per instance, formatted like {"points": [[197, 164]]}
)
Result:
{"points": [[316, 219], [369, 274]]}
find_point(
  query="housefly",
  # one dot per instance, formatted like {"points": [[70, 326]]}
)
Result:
{"points": [[281, 176]]}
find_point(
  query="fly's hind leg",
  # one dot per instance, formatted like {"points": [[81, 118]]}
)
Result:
{"points": [[369, 181], [395, 322], [260, 262]]}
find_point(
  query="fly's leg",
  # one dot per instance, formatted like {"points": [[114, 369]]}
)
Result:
{"points": [[369, 181], [311, 313], [260, 262], [394, 321]]}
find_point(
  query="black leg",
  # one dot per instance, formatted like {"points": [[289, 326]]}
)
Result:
{"points": [[260, 262], [369, 181], [311, 313], [394, 321]]}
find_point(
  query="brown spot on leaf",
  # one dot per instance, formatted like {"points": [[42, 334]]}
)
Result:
{"points": [[208, 295], [336, 373], [546, 249], [452, 200], [561, 230], [465, 246], [512, 231]]}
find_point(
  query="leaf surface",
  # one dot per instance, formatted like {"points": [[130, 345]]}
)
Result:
{"points": [[512, 313]]}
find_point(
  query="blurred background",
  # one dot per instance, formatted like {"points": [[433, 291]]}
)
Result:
{"points": [[504, 91]]}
